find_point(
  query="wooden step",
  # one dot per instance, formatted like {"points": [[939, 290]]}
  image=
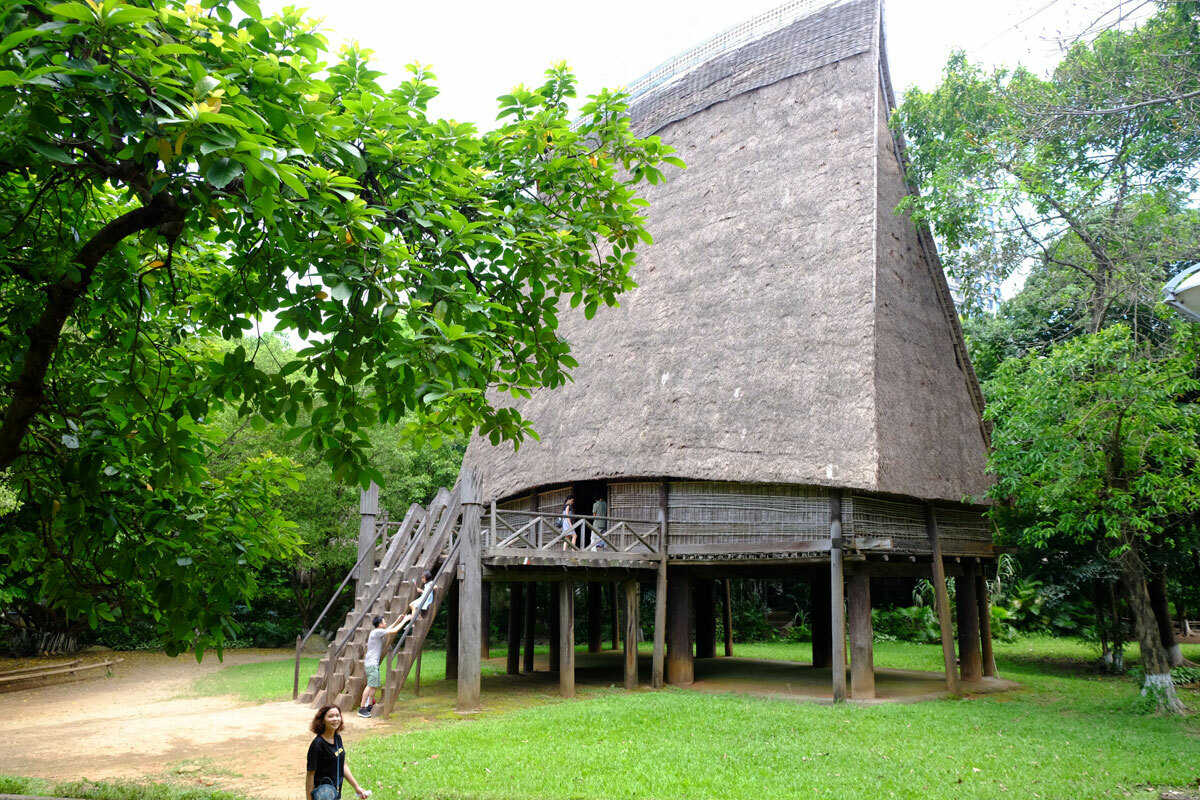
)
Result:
{"points": [[347, 702], [306, 697]]}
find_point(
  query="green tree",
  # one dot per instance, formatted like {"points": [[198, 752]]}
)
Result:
{"points": [[170, 172], [1093, 442], [1017, 170]]}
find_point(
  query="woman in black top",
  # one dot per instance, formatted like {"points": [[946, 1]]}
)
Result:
{"points": [[327, 758]]}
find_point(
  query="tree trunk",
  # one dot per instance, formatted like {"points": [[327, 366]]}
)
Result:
{"points": [[1157, 586], [1157, 685], [1101, 630], [1117, 664]]}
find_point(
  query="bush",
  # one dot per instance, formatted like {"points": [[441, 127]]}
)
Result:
{"points": [[912, 624]]}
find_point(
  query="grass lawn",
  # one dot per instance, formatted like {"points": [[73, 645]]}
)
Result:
{"points": [[1071, 733]]}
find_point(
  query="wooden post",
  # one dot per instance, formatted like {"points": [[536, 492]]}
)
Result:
{"points": [[368, 510], [470, 593], [566, 643], [595, 614], [555, 625], [821, 619], [970, 663], [516, 615], [985, 624], [837, 600], [862, 651], [417, 674], [530, 624], [706, 619], [660, 595], [452, 632], [614, 616], [943, 600], [485, 622], [728, 620], [681, 669], [631, 633]]}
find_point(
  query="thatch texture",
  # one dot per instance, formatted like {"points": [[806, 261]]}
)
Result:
{"points": [[753, 348]]}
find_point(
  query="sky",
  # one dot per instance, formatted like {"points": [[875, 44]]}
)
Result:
{"points": [[479, 50]]}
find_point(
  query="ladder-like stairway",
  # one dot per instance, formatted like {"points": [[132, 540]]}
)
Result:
{"points": [[419, 545]]}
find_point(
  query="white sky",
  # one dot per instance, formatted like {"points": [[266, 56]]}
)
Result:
{"points": [[479, 50]]}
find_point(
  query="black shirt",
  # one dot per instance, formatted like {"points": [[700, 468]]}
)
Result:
{"points": [[327, 761]]}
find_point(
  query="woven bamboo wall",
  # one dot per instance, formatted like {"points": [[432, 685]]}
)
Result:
{"points": [[709, 512], [715, 512]]}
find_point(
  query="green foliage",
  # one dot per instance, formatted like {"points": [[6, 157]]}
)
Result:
{"points": [[1092, 441], [912, 624], [1014, 169], [170, 175]]}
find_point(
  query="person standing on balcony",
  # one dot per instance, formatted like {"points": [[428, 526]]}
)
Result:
{"points": [[600, 519], [565, 520]]}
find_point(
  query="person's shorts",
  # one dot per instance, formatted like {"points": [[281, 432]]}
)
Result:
{"points": [[373, 678], [325, 791]]}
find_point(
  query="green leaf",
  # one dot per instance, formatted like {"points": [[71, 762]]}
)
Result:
{"points": [[250, 8], [127, 15], [205, 86], [307, 139], [16, 37], [222, 171], [73, 11], [49, 151]]}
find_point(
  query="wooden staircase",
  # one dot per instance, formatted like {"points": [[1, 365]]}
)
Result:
{"points": [[402, 656], [426, 540]]}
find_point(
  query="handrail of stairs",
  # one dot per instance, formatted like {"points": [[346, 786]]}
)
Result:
{"points": [[449, 567], [301, 641], [384, 581]]}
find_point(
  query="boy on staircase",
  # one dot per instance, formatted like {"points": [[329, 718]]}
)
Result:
{"points": [[379, 636]]}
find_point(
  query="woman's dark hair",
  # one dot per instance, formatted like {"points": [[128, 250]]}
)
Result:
{"points": [[427, 575], [318, 723]]}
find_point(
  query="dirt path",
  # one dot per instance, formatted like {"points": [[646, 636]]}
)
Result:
{"points": [[136, 724]]}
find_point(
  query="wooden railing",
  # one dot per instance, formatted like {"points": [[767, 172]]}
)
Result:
{"points": [[506, 531]]}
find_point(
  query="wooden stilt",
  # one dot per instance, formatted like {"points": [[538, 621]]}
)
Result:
{"points": [[821, 620], [555, 624], [985, 624], [862, 651], [970, 663], [452, 603], [368, 510], [943, 600], [614, 617], [417, 674], [660, 594], [530, 624], [728, 620], [681, 670], [595, 615], [706, 621], [631, 633], [516, 615], [470, 594], [660, 626], [566, 644], [837, 600], [485, 622]]}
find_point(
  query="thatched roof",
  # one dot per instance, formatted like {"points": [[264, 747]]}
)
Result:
{"points": [[787, 327]]}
